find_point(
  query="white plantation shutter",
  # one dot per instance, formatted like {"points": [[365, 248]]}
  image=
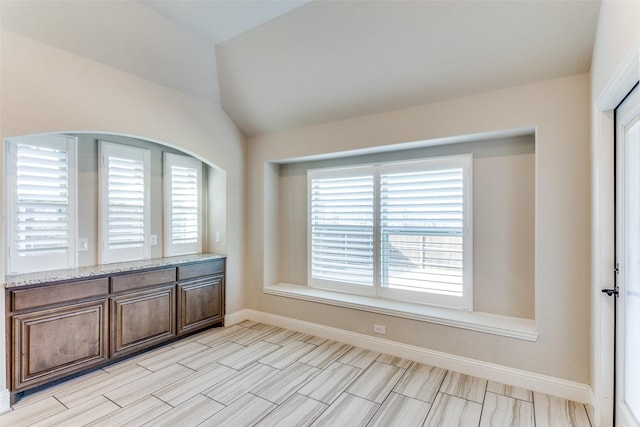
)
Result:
{"points": [[423, 223], [126, 203], [124, 183], [342, 227], [41, 189], [403, 228], [183, 205]]}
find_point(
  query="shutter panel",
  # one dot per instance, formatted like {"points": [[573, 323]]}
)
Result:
{"points": [[184, 205], [401, 228], [421, 230], [42, 217], [342, 217], [41, 203], [183, 177], [126, 203]]}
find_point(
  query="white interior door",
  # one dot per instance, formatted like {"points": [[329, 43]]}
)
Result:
{"points": [[627, 401]]}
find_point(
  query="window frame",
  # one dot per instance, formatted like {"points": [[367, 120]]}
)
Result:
{"points": [[106, 254], [170, 248], [69, 258], [377, 290]]}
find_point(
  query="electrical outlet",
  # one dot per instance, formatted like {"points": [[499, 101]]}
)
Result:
{"points": [[379, 329], [83, 244], [153, 240], [218, 237]]}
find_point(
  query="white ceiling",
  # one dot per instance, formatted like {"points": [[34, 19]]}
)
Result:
{"points": [[329, 60], [220, 20], [276, 65]]}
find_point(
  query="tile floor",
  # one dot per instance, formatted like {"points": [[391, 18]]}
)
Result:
{"points": [[256, 374]]}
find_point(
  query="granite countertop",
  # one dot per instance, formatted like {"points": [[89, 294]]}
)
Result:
{"points": [[26, 279]]}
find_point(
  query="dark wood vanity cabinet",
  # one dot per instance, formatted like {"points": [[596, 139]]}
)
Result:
{"points": [[200, 296], [58, 329], [142, 310], [52, 343], [141, 319]]}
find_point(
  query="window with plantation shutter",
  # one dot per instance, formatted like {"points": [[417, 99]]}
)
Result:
{"points": [[183, 204], [124, 203], [399, 230], [342, 219], [41, 203]]}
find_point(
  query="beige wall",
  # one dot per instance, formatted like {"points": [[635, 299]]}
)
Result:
{"points": [[503, 218], [45, 89], [559, 112], [615, 68]]}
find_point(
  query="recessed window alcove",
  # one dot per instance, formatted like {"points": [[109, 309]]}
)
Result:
{"points": [[88, 215]]}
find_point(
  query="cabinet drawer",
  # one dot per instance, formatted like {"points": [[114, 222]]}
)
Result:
{"points": [[200, 269], [22, 299], [128, 282]]}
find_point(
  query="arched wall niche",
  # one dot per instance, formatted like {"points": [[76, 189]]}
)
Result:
{"points": [[214, 191]]}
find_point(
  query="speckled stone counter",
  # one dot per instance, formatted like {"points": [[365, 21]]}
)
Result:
{"points": [[56, 276]]}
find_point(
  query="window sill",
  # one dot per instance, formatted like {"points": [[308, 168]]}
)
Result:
{"points": [[512, 327]]}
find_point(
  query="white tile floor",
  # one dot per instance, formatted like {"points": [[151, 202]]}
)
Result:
{"points": [[255, 374]]}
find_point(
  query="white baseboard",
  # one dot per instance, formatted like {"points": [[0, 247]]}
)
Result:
{"points": [[237, 317], [5, 401], [515, 377]]}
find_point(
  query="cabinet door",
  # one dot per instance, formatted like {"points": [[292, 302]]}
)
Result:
{"points": [[141, 319], [200, 303], [49, 344]]}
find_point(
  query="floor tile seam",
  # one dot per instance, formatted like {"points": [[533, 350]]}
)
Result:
{"points": [[463, 388], [265, 415], [110, 413], [356, 378], [62, 403], [533, 404], [265, 398], [458, 397], [63, 386], [246, 392], [258, 362], [296, 391], [392, 388], [414, 397], [144, 367], [162, 400], [217, 401], [214, 343], [364, 398], [312, 398], [155, 390], [356, 366], [176, 362], [206, 397], [484, 399], [588, 417], [189, 379], [510, 397]]}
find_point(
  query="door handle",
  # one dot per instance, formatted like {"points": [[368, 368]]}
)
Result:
{"points": [[615, 291]]}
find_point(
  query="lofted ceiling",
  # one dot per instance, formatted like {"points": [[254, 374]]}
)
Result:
{"points": [[275, 65]]}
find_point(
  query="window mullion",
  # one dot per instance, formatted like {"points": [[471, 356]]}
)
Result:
{"points": [[377, 267]]}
